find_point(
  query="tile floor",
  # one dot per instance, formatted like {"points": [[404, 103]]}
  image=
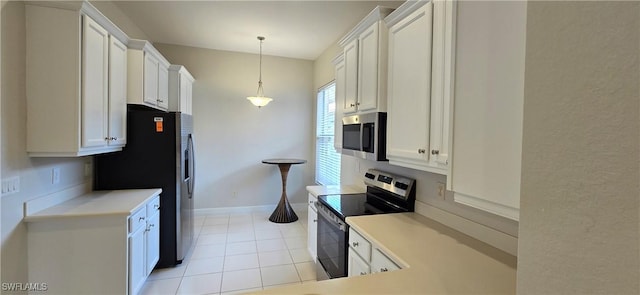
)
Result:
{"points": [[236, 253]]}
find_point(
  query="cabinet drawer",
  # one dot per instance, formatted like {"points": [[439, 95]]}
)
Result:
{"points": [[153, 205], [382, 263], [137, 219], [360, 245]]}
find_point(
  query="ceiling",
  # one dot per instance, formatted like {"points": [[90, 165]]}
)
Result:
{"points": [[297, 29]]}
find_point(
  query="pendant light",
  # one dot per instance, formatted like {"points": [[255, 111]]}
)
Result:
{"points": [[260, 100]]}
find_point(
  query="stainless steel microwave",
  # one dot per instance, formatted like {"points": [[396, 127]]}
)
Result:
{"points": [[365, 136]]}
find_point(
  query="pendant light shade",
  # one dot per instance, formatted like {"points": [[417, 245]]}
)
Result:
{"points": [[260, 100]]}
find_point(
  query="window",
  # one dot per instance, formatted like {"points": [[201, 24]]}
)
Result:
{"points": [[327, 159]]}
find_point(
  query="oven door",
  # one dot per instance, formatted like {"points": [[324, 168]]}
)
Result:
{"points": [[332, 244]]}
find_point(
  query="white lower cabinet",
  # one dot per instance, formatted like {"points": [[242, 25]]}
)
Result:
{"points": [[137, 271], [357, 266], [381, 263], [312, 232], [144, 243], [365, 257], [97, 254]]}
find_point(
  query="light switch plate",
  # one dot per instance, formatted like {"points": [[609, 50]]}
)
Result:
{"points": [[11, 185]]}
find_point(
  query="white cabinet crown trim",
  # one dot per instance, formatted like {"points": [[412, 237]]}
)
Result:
{"points": [[377, 14], [146, 46], [86, 8]]}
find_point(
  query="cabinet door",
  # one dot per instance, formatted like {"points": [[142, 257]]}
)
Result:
{"points": [[409, 89], [312, 237], [151, 69], [163, 87], [189, 96], [356, 265], [117, 93], [137, 272], [489, 101], [368, 68], [381, 263], [95, 63], [152, 242], [340, 97], [182, 96], [350, 77]]}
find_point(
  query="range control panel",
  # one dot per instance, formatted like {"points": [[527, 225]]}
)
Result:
{"points": [[399, 185]]}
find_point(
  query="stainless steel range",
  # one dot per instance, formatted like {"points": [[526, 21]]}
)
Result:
{"points": [[386, 193]]}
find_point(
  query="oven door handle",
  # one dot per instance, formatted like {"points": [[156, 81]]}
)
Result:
{"points": [[333, 220]]}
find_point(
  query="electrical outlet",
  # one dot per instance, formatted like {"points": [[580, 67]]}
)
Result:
{"points": [[87, 169], [441, 190], [55, 175]]}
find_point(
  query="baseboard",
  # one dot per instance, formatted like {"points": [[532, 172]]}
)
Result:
{"points": [[481, 232], [298, 207]]}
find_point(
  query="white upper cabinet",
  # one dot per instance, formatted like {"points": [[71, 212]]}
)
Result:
{"points": [[365, 64], [163, 87], [180, 89], [117, 92], [95, 88], [74, 89], [148, 76], [420, 61], [488, 106]]}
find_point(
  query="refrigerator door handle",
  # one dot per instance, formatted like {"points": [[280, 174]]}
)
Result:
{"points": [[192, 168]]}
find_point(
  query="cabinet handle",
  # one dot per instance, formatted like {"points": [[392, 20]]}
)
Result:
{"points": [[384, 269], [106, 139], [355, 244], [160, 100], [357, 103], [315, 220], [362, 273], [435, 152], [156, 206], [421, 151], [113, 138], [141, 219], [352, 105]]}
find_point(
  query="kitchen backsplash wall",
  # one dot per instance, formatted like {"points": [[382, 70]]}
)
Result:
{"points": [[232, 136], [353, 170]]}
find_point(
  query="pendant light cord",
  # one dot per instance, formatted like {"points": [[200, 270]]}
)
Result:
{"points": [[260, 90]]}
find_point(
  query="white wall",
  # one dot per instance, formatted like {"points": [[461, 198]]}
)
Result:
{"points": [[579, 215], [232, 136]]}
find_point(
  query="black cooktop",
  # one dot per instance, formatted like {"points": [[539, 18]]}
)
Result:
{"points": [[345, 205]]}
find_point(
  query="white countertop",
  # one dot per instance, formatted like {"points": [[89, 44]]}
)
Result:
{"points": [[320, 190], [97, 203], [440, 261]]}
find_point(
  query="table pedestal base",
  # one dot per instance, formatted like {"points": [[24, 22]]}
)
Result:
{"points": [[283, 213]]}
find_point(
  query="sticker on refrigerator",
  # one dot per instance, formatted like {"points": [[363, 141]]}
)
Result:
{"points": [[159, 121]]}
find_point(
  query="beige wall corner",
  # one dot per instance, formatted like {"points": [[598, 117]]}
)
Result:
{"points": [[579, 197]]}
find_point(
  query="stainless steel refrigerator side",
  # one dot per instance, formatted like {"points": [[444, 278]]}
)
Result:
{"points": [[178, 183], [185, 200]]}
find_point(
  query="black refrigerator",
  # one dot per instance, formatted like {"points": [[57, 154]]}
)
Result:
{"points": [[159, 154]]}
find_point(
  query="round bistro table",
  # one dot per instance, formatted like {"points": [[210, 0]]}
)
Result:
{"points": [[283, 212]]}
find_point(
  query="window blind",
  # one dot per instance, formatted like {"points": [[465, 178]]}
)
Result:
{"points": [[327, 159]]}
